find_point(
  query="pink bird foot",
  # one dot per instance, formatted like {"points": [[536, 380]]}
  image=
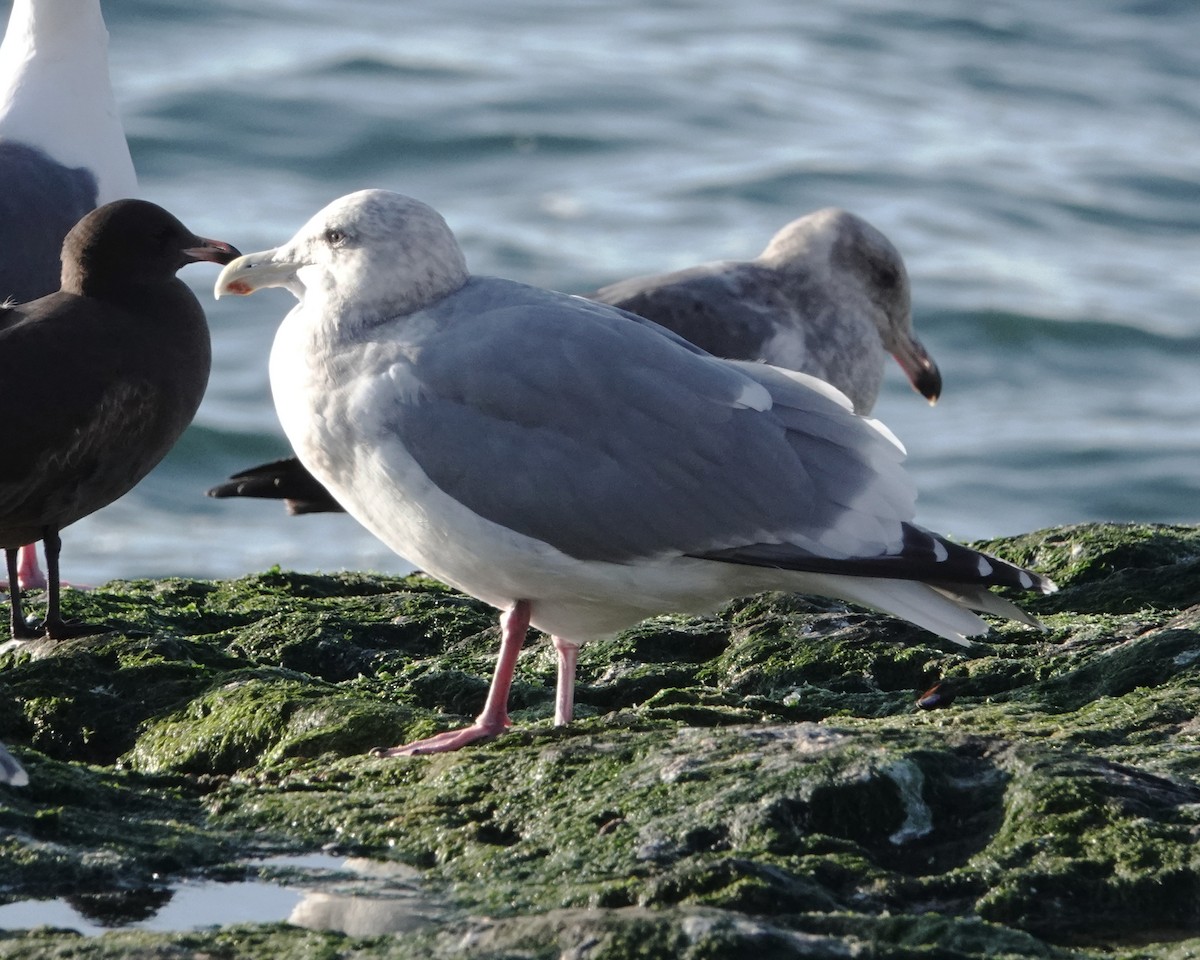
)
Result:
{"points": [[514, 624], [447, 741]]}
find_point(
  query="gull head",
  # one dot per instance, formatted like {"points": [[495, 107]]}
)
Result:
{"points": [[864, 252], [372, 255], [849, 254]]}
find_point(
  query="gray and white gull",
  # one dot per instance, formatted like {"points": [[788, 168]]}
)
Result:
{"points": [[576, 466], [829, 296]]}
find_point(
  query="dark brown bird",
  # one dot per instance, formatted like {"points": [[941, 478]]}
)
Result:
{"points": [[97, 381]]}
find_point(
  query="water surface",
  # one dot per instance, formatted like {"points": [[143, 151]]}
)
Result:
{"points": [[1034, 163]]}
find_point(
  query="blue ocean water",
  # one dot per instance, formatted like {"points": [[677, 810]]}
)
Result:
{"points": [[1036, 164]]}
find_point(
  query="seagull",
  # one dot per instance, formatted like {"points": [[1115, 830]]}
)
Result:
{"points": [[578, 467], [63, 151], [829, 296], [123, 347]]}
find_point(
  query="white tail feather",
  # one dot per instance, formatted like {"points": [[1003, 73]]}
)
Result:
{"points": [[916, 602]]}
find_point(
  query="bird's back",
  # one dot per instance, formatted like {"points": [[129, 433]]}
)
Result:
{"points": [[40, 202], [747, 311], [723, 308]]}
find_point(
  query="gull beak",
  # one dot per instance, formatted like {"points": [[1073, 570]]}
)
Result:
{"points": [[255, 271], [214, 251], [917, 365]]}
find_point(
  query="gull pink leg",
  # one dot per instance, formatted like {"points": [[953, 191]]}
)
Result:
{"points": [[494, 719], [29, 574], [564, 698]]}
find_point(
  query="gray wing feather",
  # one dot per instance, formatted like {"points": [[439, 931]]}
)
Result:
{"points": [[589, 430], [731, 310], [801, 319]]}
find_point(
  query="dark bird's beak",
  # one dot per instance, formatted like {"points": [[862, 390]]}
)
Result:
{"points": [[920, 369], [215, 251]]}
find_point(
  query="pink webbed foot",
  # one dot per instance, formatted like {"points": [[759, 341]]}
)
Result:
{"points": [[445, 742], [514, 624]]}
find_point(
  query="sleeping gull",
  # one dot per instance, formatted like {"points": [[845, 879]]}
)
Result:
{"points": [[829, 296], [576, 466], [62, 150], [124, 347]]}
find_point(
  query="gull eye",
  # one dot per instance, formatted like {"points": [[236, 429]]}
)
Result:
{"points": [[335, 237]]}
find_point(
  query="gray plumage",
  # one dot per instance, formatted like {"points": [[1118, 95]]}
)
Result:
{"points": [[539, 418], [62, 147]]}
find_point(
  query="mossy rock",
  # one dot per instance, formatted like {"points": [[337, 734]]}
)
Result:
{"points": [[761, 781]]}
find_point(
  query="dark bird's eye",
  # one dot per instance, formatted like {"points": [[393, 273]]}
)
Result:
{"points": [[335, 237]]}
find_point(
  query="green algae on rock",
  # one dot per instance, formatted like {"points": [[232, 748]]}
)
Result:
{"points": [[757, 780]]}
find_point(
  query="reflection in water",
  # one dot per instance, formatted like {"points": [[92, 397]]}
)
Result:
{"points": [[382, 898], [189, 905], [120, 908], [318, 892]]}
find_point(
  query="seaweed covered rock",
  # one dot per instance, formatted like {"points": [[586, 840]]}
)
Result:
{"points": [[775, 778]]}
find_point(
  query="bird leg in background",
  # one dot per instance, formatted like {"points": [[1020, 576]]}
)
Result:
{"points": [[55, 627], [20, 629], [514, 624], [564, 697], [29, 574]]}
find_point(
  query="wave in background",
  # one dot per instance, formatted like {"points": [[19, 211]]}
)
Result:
{"points": [[1034, 163]]}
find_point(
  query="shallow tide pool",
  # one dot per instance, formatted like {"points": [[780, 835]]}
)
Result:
{"points": [[316, 891]]}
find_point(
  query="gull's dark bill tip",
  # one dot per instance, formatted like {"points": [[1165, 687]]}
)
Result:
{"points": [[928, 383]]}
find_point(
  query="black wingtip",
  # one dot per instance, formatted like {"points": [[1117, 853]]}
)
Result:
{"points": [[285, 480], [943, 560], [922, 556]]}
